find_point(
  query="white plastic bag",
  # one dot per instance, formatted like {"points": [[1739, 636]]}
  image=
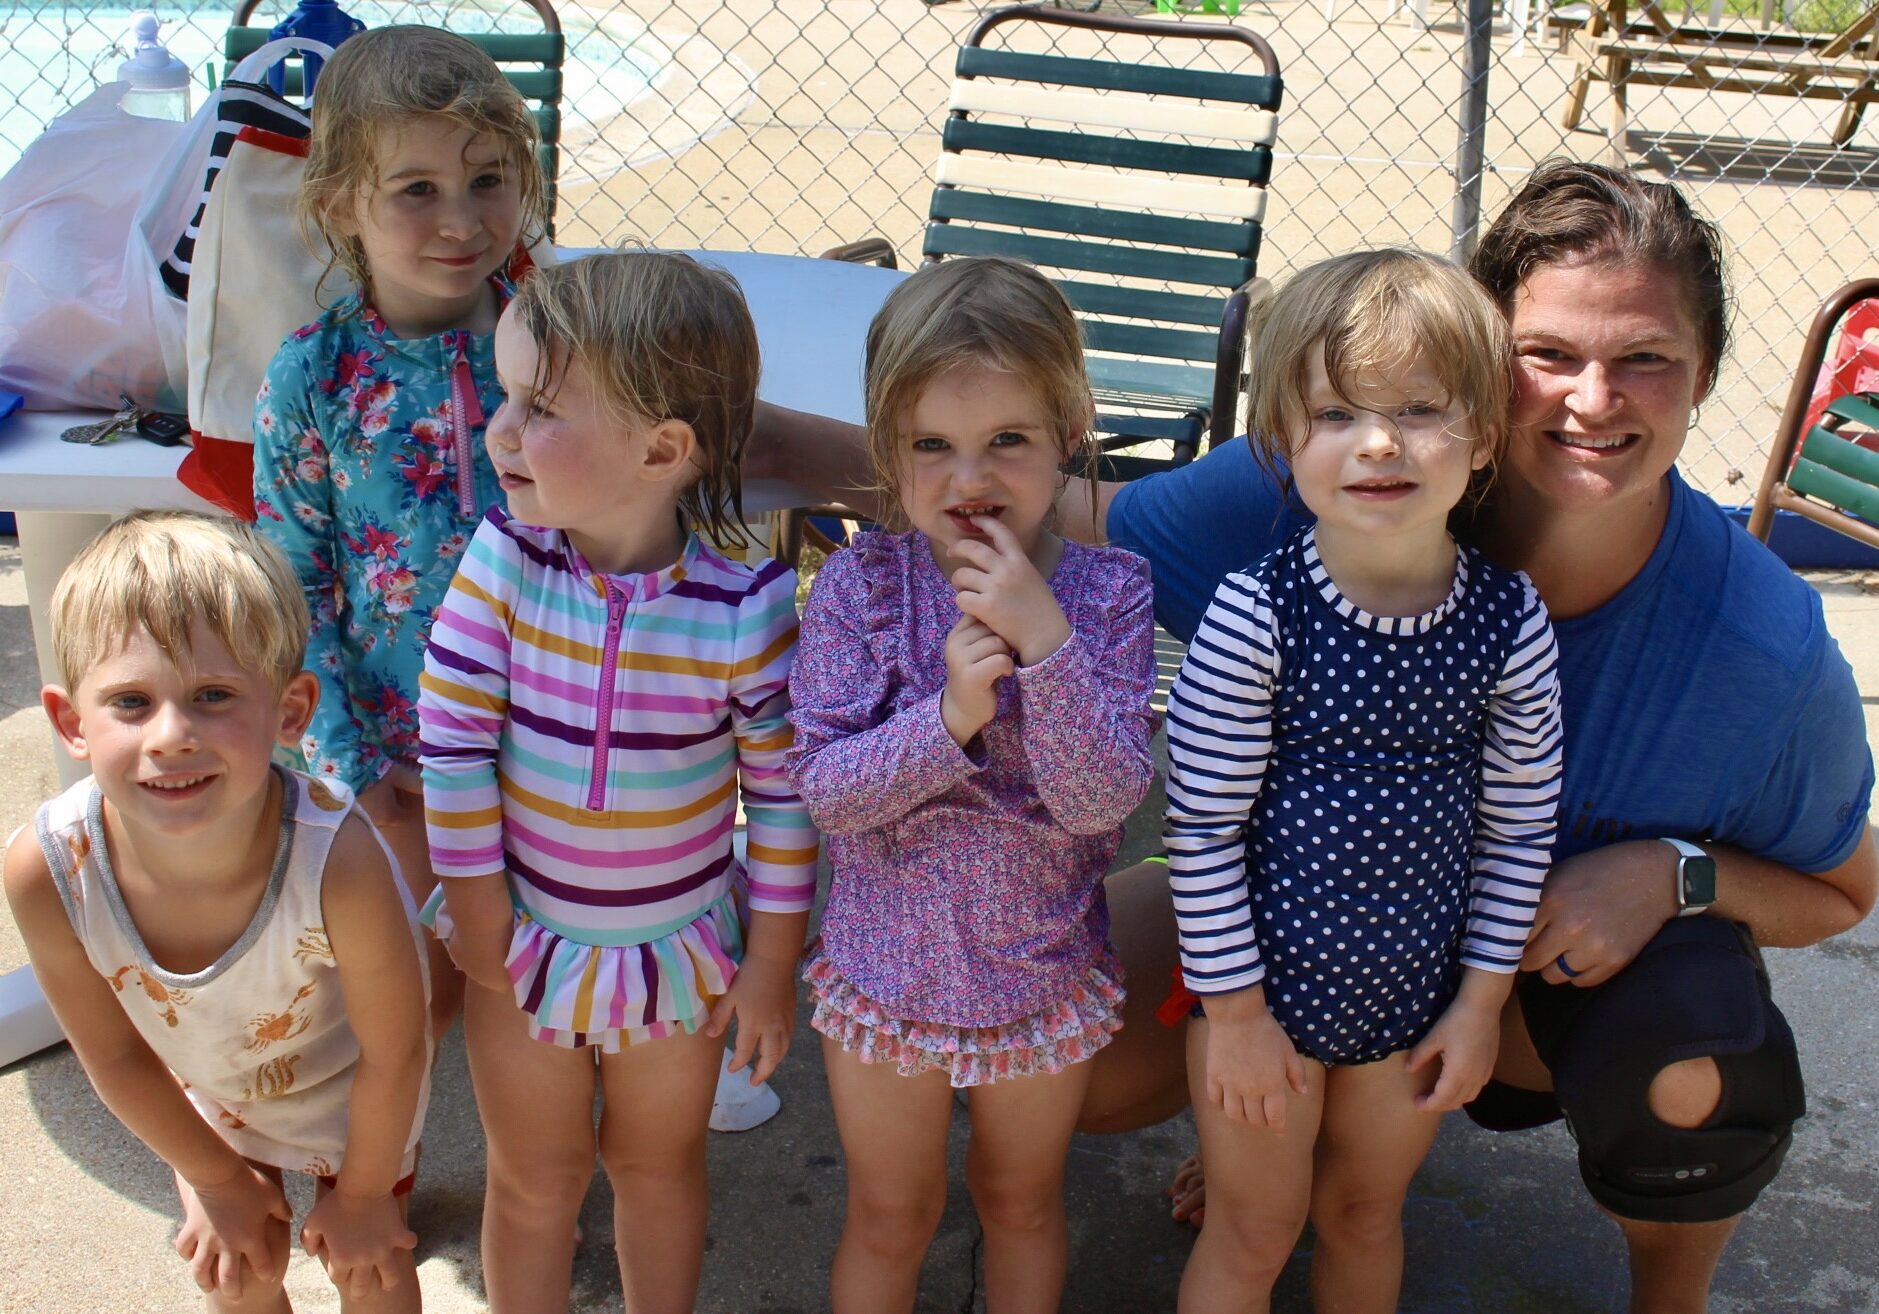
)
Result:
{"points": [[86, 217]]}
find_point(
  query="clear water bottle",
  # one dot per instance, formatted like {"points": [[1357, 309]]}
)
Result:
{"points": [[157, 83], [317, 20]]}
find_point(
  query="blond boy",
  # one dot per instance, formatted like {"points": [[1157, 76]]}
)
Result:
{"points": [[225, 942]]}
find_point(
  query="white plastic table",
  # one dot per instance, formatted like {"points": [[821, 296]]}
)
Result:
{"points": [[812, 321]]}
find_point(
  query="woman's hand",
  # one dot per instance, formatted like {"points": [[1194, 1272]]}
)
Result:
{"points": [[355, 1237], [1599, 909], [1001, 587], [1250, 1059], [976, 659], [762, 999], [239, 1221]]}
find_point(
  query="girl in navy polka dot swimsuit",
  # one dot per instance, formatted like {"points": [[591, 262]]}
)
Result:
{"points": [[1364, 748]]}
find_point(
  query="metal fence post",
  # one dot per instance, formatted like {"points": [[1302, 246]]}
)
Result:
{"points": [[1471, 146]]}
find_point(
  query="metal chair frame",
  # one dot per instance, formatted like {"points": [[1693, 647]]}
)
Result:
{"points": [[1821, 475], [530, 60], [1150, 213]]}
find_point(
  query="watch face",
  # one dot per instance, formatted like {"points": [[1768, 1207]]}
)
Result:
{"points": [[1699, 881]]}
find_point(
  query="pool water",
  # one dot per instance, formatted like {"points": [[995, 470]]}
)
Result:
{"points": [[52, 56]]}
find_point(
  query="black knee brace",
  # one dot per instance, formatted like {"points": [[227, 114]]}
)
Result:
{"points": [[1697, 991]]}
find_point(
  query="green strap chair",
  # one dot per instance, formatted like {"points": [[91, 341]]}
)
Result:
{"points": [[1824, 474], [1137, 185], [531, 61]]}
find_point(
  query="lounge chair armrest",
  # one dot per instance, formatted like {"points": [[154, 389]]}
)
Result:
{"points": [[868, 251]]}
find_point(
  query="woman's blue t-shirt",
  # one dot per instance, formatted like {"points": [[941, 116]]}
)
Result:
{"points": [[1706, 701]]}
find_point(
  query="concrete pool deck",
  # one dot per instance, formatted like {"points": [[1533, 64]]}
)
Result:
{"points": [[1496, 1223]]}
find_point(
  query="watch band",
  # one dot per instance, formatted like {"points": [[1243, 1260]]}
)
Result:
{"points": [[1688, 852]]}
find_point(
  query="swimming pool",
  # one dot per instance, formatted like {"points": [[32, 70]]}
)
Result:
{"points": [[51, 56]]}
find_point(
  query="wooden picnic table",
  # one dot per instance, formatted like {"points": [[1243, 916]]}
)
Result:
{"points": [[1616, 47]]}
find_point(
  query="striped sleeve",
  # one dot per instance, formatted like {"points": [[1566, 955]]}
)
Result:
{"points": [[1517, 809], [781, 861], [463, 702], [1219, 742]]}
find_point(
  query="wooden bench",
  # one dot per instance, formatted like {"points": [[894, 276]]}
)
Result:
{"points": [[1649, 50]]}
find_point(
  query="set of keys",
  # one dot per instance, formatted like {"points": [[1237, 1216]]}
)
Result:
{"points": [[160, 428]]}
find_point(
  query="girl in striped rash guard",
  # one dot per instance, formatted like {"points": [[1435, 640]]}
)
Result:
{"points": [[601, 688], [1364, 755]]}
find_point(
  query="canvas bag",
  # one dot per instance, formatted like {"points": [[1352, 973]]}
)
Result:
{"points": [[250, 277], [246, 273]]}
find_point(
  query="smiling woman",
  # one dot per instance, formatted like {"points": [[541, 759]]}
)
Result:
{"points": [[1706, 705]]}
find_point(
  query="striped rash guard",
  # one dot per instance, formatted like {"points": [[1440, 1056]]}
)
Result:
{"points": [[590, 735]]}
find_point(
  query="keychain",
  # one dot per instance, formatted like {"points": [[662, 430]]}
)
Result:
{"points": [[103, 431]]}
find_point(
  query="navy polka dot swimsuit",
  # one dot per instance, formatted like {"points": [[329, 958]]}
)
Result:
{"points": [[1380, 860]]}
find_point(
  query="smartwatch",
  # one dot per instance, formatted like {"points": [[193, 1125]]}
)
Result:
{"points": [[1696, 878]]}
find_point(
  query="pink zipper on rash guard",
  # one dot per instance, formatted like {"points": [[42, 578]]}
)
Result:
{"points": [[603, 702], [466, 411]]}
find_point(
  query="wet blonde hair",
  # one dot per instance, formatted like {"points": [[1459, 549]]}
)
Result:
{"points": [[385, 77], [1377, 312], [984, 311], [660, 337], [163, 571]]}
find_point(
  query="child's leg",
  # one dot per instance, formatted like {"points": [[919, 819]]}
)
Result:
{"points": [[652, 1143], [1370, 1143], [893, 1131], [1014, 1169], [1258, 1190], [258, 1295], [404, 1297], [399, 815], [537, 1105]]}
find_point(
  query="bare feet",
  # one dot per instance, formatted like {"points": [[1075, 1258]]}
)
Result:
{"points": [[1188, 1191]]}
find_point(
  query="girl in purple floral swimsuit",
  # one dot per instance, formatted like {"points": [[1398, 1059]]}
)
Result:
{"points": [[971, 703]]}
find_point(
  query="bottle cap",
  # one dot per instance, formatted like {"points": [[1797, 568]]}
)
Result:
{"points": [[151, 67]]}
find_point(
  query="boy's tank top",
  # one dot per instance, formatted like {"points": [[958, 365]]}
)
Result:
{"points": [[260, 1038]]}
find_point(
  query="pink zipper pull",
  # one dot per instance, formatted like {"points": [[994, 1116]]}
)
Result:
{"points": [[603, 702], [466, 411]]}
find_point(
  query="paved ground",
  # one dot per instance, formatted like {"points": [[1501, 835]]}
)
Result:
{"points": [[1495, 1223]]}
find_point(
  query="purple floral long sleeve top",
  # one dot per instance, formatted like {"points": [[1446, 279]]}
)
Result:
{"points": [[968, 882]]}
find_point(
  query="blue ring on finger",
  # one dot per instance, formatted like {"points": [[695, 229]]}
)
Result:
{"points": [[1566, 969]]}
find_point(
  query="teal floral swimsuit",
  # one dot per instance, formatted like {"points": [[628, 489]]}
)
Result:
{"points": [[370, 474]]}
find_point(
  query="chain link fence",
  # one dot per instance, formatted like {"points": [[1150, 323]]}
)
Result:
{"points": [[794, 125]]}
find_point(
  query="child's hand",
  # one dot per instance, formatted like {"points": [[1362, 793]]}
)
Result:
{"points": [[235, 1224], [976, 659], [392, 801], [762, 998], [1002, 588], [1465, 1040], [355, 1237], [482, 958], [1250, 1060], [477, 925]]}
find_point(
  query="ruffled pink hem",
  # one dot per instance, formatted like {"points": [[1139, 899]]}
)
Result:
{"points": [[1047, 1041]]}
